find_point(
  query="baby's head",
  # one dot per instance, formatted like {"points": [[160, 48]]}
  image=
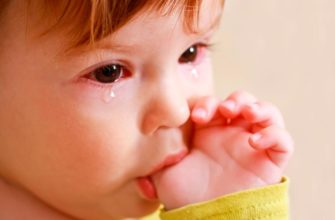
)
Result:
{"points": [[96, 95]]}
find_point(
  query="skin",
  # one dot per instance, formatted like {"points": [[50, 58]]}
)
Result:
{"points": [[68, 154], [62, 145], [238, 143]]}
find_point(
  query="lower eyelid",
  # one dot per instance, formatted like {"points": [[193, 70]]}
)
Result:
{"points": [[94, 83], [201, 55]]}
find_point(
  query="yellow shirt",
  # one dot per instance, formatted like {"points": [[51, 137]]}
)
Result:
{"points": [[270, 203]]}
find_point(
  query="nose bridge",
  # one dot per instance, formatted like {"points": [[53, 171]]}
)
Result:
{"points": [[167, 105]]}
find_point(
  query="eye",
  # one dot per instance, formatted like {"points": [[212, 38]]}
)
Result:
{"points": [[108, 73], [192, 53]]}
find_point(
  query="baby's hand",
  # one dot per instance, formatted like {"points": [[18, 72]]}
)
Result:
{"points": [[238, 144]]}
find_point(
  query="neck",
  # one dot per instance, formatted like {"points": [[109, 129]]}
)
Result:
{"points": [[17, 204]]}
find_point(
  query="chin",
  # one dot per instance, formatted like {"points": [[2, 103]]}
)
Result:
{"points": [[137, 211], [144, 210]]}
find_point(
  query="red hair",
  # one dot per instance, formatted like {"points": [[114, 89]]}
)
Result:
{"points": [[89, 21]]}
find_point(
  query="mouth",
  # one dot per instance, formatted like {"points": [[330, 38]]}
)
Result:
{"points": [[147, 188], [145, 183]]}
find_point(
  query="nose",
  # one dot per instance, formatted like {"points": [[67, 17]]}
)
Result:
{"points": [[167, 105]]}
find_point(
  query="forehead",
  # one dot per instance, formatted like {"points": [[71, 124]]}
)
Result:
{"points": [[42, 23], [210, 14], [200, 19], [152, 26]]}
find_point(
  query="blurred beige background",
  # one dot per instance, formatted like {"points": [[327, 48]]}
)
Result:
{"points": [[284, 52]]}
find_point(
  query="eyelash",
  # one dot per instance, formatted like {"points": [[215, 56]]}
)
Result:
{"points": [[200, 47], [91, 77]]}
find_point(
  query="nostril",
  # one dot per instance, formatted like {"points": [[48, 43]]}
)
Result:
{"points": [[165, 109], [162, 118]]}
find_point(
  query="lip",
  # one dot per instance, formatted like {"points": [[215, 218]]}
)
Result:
{"points": [[145, 183], [169, 161], [147, 187]]}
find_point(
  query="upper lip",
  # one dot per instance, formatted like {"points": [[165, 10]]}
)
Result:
{"points": [[174, 158], [169, 161]]}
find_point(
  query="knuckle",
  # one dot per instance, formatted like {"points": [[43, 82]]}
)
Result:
{"points": [[287, 140], [273, 112], [202, 101], [241, 95]]}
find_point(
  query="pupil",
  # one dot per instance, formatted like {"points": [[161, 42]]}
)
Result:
{"points": [[189, 55], [108, 74]]}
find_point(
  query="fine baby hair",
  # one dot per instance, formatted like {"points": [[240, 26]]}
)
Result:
{"points": [[109, 112]]}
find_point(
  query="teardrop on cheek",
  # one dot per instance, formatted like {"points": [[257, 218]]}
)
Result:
{"points": [[108, 95], [195, 73]]}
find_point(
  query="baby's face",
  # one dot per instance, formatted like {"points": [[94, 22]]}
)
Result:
{"points": [[81, 130]]}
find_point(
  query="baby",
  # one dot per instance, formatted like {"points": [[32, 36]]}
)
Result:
{"points": [[108, 112]]}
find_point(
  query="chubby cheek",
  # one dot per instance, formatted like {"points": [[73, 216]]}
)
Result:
{"points": [[78, 152], [199, 78], [94, 147], [206, 71]]}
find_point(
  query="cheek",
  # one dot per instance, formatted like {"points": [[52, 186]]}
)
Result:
{"points": [[69, 152], [73, 151], [198, 78], [206, 71], [87, 148]]}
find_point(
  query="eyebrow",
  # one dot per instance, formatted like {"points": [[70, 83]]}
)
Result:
{"points": [[99, 45], [208, 31], [125, 48], [129, 48]]}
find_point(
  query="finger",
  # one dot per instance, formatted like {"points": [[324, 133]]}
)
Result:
{"points": [[263, 113], [277, 143], [232, 106], [205, 109], [239, 121]]}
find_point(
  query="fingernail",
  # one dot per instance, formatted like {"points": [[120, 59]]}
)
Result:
{"points": [[256, 137], [230, 105], [200, 112]]}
